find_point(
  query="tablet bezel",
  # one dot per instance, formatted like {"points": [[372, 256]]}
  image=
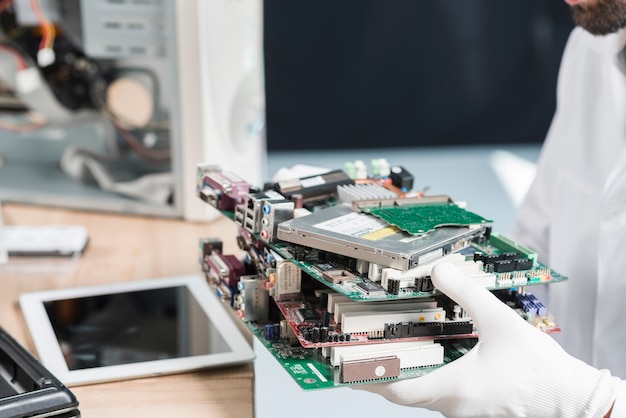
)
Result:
{"points": [[51, 356]]}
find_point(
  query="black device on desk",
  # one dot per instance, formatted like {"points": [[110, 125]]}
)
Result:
{"points": [[27, 388]]}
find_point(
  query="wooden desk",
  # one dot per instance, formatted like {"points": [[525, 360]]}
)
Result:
{"points": [[123, 248]]}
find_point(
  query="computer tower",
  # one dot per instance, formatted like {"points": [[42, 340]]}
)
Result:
{"points": [[109, 105]]}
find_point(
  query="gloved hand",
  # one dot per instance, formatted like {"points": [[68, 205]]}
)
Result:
{"points": [[514, 370]]}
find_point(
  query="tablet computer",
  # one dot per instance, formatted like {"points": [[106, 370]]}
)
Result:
{"points": [[132, 329]]}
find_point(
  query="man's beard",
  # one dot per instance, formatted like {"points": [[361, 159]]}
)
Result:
{"points": [[607, 16]]}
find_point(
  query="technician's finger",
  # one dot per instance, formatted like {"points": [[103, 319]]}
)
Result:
{"points": [[427, 390], [485, 309]]}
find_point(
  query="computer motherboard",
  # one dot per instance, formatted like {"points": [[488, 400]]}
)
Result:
{"points": [[334, 274]]}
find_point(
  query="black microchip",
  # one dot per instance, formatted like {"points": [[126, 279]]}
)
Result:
{"points": [[307, 315], [325, 267], [369, 287]]}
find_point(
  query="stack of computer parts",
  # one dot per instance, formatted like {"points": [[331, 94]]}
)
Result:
{"points": [[334, 272]]}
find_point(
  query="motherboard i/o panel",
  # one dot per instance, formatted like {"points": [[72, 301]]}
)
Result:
{"points": [[334, 279]]}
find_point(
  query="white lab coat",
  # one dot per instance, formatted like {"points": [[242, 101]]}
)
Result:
{"points": [[574, 215]]}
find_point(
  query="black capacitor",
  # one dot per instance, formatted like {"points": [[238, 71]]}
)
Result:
{"points": [[315, 335], [323, 299], [326, 320], [323, 333], [276, 331]]}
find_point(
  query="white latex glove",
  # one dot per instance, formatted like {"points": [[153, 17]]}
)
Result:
{"points": [[514, 370]]}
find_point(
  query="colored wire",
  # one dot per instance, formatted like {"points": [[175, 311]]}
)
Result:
{"points": [[47, 28], [21, 62]]}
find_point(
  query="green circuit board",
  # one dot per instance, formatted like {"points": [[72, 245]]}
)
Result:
{"points": [[311, 371], [295, 327], [497, 244], [423, 218]]}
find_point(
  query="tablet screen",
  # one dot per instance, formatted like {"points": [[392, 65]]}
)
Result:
{"points": [[131, 327]]}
